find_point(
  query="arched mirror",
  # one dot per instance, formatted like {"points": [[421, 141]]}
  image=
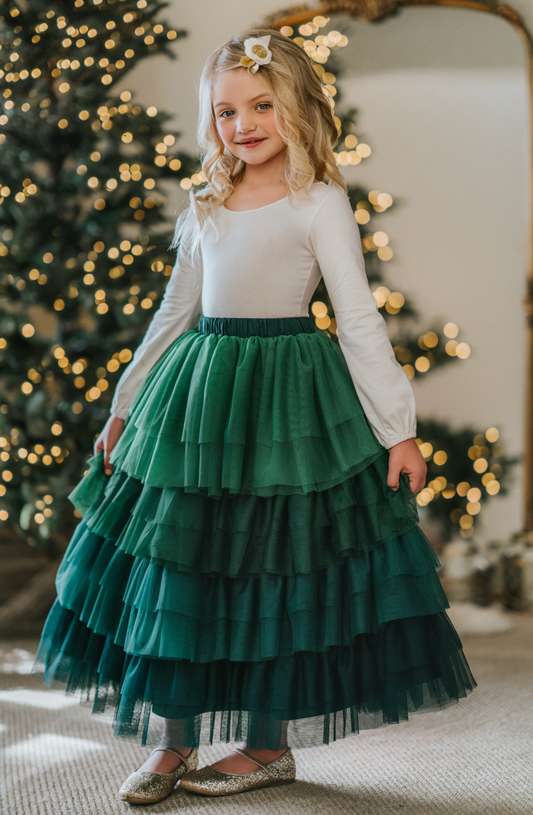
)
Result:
{"points": [[440, 98]]}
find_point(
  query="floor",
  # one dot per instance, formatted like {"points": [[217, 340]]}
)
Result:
{"points": [[474, 758]]}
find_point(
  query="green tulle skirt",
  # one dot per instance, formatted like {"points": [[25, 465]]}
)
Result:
{"points": [[245, 573]]}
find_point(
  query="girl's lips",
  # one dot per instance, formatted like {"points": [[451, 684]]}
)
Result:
{"points": [[251, 143]]}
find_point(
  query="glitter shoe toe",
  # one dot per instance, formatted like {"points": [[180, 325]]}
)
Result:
{"points": [[209, 781], [149, 788]]}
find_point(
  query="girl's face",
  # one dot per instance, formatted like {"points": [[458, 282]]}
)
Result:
{"points": [[244, 115]]}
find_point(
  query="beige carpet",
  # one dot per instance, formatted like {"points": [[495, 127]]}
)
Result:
{"points": [[472, 759]]}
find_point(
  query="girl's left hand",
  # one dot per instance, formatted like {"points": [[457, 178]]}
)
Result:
{"points": [[107, 439], [405, 457]]}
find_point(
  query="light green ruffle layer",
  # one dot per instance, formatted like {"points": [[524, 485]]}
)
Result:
{"points": [[261, 416]]}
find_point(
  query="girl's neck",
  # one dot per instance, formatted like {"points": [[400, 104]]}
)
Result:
{"points": [[261, 184], [269, 174]]}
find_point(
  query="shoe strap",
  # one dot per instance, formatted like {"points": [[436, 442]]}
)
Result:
{"points": [[176, 752], [256, 760]]}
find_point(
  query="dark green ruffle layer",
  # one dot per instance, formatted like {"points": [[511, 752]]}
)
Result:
{"points": [[152, 611], [262, 416], [407, 666], [245, 535]]}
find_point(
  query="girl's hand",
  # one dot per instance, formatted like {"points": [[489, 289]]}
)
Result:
{"points": [[108, 438], [405, 457]]}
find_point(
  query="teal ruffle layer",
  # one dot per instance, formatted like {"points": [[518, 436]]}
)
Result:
{"points": [[151, 611]]}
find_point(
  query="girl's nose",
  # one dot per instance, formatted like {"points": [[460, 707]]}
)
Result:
{"points": [[245, 124]]}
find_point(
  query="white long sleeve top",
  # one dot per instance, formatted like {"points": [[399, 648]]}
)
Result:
{"points": [[267, 262]]}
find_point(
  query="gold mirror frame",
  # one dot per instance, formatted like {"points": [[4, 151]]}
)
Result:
{"points": [[373, 10]]}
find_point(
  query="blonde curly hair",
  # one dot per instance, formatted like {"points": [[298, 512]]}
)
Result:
{"points": [[304, 120]]}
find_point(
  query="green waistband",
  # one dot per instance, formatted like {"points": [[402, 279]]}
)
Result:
{"points": [[255, 326]]}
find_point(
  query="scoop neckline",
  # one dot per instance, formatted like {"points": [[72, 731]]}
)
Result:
{"points": [[255, 209], [266, 206]]}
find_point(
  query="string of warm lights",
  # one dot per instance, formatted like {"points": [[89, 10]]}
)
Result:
{"points": [[45, 84], [126, 172], [485, 449]]}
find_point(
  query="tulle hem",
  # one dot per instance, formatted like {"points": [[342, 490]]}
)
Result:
{"points": [[409, 666]]}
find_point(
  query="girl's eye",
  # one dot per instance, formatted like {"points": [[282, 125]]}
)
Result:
{"points": [[227, 113]]}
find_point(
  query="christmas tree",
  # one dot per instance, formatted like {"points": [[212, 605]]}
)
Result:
{"points": [[83, 238]]}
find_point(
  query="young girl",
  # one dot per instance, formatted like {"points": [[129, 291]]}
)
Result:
{"points": [[249, 565]]}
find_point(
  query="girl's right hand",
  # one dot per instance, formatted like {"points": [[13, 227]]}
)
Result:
{"points": [[107, 439], [405, 457]]}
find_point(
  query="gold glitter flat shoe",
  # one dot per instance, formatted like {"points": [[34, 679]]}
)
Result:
{"points": [[149, 788], [209, 781]]}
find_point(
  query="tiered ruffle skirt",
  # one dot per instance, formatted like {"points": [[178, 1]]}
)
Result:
{"points": [[246, 566]]}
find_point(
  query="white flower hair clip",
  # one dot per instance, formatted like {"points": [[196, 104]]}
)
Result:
{"points": [[257, 53]]}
